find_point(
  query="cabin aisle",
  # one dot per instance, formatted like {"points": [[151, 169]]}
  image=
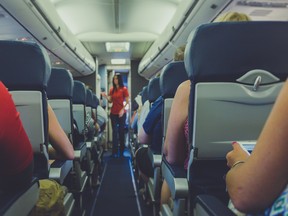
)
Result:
{"points": [[117, 193]]}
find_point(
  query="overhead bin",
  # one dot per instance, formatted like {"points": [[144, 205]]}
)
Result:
{"points": [[188, 16], [40, 18]]}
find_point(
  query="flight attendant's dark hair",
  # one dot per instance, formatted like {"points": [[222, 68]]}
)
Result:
{"points": [[120, 82]]}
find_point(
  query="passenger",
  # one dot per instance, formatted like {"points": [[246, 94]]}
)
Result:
{"points": [[143, 111], [255, 182], [62, 147], [232, 17], [16, 153], [118, 93], [176, 148], [151, 132]]}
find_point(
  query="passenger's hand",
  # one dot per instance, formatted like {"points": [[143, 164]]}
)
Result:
{"points": [[121, 113], [237, 154], [103, 94]]}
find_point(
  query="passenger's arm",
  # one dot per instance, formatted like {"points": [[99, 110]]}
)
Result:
{"points": [[255, 184], [174, 145], [58, 138], [143, 137]]}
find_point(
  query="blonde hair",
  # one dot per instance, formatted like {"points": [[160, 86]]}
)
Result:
{"points": [[179, 53], [232, 16]]}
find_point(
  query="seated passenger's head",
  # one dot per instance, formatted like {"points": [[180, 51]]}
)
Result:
{"points": [[179, 53], [232, 17]]}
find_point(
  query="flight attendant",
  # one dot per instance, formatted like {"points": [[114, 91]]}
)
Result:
{"points": [[119, 97]]}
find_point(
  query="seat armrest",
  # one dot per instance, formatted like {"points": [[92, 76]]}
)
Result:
{"points": [[60, 169], [176, 179], [155, 158], [90, 144], [210, 205], [143, 145], [80, 151]]}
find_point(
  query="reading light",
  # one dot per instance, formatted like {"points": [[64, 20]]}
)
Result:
{"points": [[117, 46], [118, 61]]}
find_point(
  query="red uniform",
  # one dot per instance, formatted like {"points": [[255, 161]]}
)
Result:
{"points": [[15, 149], [118, 97]]}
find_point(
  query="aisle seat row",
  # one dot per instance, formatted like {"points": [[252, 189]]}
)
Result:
{"points": [[26, 72], [171, 77], [236, 70], [235, 80]]}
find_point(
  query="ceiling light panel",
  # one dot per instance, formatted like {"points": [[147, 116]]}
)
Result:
{"points": [[118, 61], [117, 46]]}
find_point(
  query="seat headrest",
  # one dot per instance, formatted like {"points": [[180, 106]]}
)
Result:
{"points": [[24, 65], [79, 93], [95, 101], [89, 97], [225, 51], [60, 85], [144, 94], [173, 74], [154, 89]]}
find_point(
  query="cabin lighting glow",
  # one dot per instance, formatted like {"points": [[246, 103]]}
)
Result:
{"points": [[117, 46], [118, 61]]}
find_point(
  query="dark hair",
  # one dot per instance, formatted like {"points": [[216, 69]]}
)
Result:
{"points": [[120, 82]]}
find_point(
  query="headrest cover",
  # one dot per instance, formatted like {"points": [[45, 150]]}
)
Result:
{"points": [[173, 74], [144, 94], [95, 101], [60, 85], [79, 93], [154, 89], [225, 51], [24, 65], [89, 97]]}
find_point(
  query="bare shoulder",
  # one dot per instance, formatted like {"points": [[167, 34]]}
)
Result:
{"points": [[185, 84], [181, 98], [183, 89]]}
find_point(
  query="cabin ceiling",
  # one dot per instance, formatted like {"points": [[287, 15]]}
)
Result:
{"points": [[147, 24], [95, 22]]}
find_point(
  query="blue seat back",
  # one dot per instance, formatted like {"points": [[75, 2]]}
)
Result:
{"points": [[89, 120], [89, 99], [173, 74], [154, 89], [236, 71], [144, 94], [79, 101], [225, 52], [95, 103], [60, 94], [25, 70]]}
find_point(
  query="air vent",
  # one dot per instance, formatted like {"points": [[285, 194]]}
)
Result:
{"points": [[266, 4], [260, 12]]}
